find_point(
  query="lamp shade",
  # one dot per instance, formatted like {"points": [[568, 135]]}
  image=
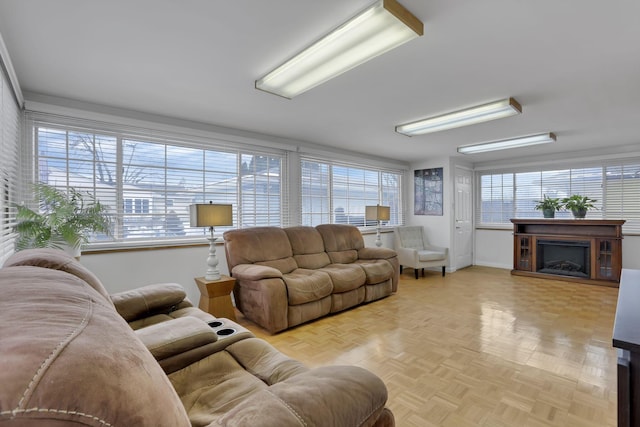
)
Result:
{"points": [[210, 215], [377, 213]]}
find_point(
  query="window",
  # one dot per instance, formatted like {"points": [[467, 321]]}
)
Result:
{"points": [[616, 187], [137, 206], [622, 194], [337, 193], [10, 124], [149, 183]]}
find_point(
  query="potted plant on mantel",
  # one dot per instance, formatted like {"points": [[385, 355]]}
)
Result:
{"points": [[63, 221], [548, 206], [578, 205]]}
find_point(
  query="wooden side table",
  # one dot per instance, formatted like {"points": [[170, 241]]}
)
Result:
{"points": [[215, 296]]}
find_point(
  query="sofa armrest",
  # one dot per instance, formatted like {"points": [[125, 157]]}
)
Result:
{"points": [[376, 253], [407, 255], [178, 343], [148, 300], [325, 396], [255, 272], [437, 249], [176, 336]]}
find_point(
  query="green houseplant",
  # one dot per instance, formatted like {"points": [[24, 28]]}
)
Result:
{"points": [[579, 205], [63, 220], [548, 206]]}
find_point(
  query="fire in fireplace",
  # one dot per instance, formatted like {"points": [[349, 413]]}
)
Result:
{"points": [[563, 257]]}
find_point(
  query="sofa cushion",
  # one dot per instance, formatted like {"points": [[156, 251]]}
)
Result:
{"points": [[304, 240], [68, 358], [340, 237], [343, 257], [304, 285], [251, 384], [427, 255], [376, 271], [341, 242], [56, 259], [345, 277], [259, 245], [308, 247]]}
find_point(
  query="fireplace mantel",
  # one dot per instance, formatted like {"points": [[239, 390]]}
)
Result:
{"points": [[601, 238]]}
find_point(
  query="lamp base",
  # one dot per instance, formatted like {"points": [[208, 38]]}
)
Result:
{"points": [[378, 239], [212, 261]]}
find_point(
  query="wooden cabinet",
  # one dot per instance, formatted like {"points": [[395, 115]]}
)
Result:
{"points": [[608, 259], [594, 245], [626, 338], [523, 253]]}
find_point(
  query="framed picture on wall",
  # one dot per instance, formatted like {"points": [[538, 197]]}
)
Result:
{"points": [[427, 191]]}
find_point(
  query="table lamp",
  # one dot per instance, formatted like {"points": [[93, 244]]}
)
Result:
{"points": [[211, 215], [377, 213]]}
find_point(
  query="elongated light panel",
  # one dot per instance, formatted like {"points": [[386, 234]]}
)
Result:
{"points": [[524, 141], [481, 113], [378, 29]]}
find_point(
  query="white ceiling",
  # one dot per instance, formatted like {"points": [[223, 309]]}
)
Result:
{"points": [[574, 66]]}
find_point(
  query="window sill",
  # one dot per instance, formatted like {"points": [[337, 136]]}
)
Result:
{"points": [[112, 247], [147, 245]]}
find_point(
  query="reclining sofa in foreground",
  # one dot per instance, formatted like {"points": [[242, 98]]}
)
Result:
{"points": [[71, 354], [289, 276]]}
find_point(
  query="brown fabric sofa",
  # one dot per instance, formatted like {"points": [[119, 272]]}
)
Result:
{"points": [[289, 276], [68, 357]]}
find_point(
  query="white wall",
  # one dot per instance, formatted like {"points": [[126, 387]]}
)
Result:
{"points": [[437, 227], [494, 248], [121, 271], [631, 252]]}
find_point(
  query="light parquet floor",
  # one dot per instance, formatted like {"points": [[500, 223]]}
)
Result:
{"points": [[478, 347]]}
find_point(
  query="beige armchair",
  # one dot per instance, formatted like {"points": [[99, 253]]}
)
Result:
{"points": [[414, 250]]}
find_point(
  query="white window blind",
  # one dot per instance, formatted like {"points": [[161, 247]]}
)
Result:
{"points": [[622, 194], [615, 186], [10, 125], [148, 182], [338, 193], [496, 199]]}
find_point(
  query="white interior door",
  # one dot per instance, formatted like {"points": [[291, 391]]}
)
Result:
{"points": [[463, 206]]}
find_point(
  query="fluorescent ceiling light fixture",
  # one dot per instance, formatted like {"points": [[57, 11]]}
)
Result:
{"points": [[523, 141], [469, 116], [381, 27]]}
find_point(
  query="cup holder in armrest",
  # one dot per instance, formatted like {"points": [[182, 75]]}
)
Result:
{"points": [[221, 329], [228, 331]]}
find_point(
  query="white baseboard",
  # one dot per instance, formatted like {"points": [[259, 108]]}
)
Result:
{"points": [[494, 265]]}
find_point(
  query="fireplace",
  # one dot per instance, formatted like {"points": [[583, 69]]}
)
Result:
{"points": [[564, 257], [573, 250]]}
